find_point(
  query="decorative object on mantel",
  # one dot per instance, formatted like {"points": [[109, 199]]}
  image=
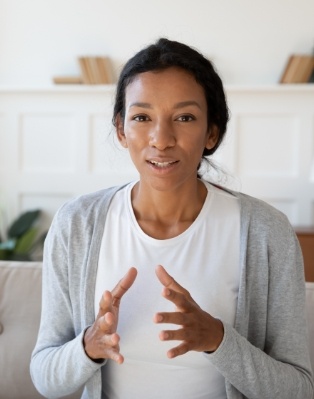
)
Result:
{"points": [[65, 80], [94, 70], [299, 69]]}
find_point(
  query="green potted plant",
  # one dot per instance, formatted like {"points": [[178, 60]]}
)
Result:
{"points": [[22, 238]]}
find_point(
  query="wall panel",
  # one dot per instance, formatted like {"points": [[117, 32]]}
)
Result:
{"points": [[58, 143]]}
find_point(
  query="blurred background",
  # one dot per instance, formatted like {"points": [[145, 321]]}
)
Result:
{"points": [[57, 141], [249, 41]]}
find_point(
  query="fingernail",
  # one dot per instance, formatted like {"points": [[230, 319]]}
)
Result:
{"points": [[159, 317]]}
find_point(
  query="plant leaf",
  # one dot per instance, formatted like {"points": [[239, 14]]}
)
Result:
{"points": [[8, 245], [23, 223], [24, 243], [4, 254], [40, 241]]}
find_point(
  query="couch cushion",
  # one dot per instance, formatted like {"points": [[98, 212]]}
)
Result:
{"points": [[310, 317], [20, 305]]}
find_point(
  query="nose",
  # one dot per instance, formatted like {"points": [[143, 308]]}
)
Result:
{"points": [[162, 136]]}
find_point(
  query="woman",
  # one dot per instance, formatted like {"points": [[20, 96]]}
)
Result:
{"points": [[210, 298]]}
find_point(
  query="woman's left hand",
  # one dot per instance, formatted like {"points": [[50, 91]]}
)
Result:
{"points": [[199, 330]]}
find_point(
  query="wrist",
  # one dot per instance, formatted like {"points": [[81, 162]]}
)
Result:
{"points": [[85, 342], [219, 334]]}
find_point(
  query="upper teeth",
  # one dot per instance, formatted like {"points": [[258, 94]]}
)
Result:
{"points": [[162, 164]]}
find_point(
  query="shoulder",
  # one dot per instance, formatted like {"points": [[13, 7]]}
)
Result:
{"points": [[267, 230], [261, 215], [85, 207], [257, 215]]}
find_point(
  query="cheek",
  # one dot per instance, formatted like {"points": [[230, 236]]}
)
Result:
{"points": [[134, 140], [136, 136], [197, 142], [195, 151], [136, 145]]}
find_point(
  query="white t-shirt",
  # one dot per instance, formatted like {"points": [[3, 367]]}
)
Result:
{"points": [[204, 259]]}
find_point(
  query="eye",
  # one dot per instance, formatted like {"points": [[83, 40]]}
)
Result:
{"points": [[141, 118], [185, 118]]}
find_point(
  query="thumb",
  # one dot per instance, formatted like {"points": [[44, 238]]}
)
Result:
{"points": [[123, 285]]}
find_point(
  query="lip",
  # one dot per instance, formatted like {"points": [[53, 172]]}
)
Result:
{"points": [[161, 159], [162, 165]]}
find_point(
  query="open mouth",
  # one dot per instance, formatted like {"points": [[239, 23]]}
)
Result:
{"points": [[162, 164]]}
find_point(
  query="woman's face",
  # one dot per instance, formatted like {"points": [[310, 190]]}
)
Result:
{"points": [[165, 127]]}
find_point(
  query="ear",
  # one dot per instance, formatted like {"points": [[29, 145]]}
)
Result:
{"points": [[212, 137], [120, 131]]}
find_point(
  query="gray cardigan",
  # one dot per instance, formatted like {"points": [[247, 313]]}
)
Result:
{"points": [[265, 355]]}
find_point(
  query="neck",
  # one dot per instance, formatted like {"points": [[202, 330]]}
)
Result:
{"points": [[165, 214]]}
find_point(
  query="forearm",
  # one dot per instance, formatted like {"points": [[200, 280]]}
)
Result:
{"points": [[258, 375], [59, 371]]}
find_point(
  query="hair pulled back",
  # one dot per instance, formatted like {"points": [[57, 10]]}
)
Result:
{"points": [[165, 54]]}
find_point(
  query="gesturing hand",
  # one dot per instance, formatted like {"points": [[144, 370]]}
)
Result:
{"points": [[199, 330], [101, 340]]}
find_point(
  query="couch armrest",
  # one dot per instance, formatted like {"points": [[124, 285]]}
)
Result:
{"points": [[20, 307]]}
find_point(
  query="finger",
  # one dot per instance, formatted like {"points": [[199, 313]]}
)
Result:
{"points": [[105, 304], [112, 348], [123, 285], [100, 345], [111, 340], [109, 319], [106, 322], [173, 335], [170, 318], [114, 354], [183, 301], [178, 350], [168, 281]]}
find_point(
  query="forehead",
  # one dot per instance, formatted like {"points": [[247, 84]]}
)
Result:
{"points": [[172, 82]]}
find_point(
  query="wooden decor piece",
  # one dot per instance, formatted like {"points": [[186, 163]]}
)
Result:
{"points": [[63, 80], [96, 70], [298, 69]]}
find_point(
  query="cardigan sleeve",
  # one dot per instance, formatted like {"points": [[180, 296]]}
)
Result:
{"points": [[271, 359], [59, 365]]}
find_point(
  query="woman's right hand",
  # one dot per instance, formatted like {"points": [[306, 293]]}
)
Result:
{"points": [[101, 340]]}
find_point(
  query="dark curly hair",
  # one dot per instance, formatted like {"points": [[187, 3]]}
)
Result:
{"points": [[165, 54]]}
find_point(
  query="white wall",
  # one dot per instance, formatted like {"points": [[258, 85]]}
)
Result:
{"points": [[56, 144], [249, 40]]}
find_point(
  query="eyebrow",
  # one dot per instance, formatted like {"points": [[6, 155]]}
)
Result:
{"points": [[141, 105], [179, 105], [183, 104]]}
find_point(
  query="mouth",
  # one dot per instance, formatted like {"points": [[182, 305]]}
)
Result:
{"points": [[162, 165]]}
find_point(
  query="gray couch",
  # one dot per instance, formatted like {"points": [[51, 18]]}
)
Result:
{"points": [[20, 303]]}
